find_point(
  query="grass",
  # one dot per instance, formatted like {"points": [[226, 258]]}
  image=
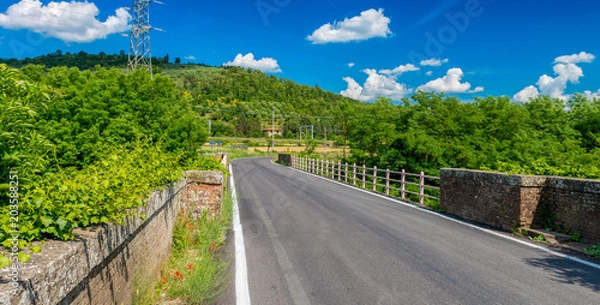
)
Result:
{"points": [[195, 273]]}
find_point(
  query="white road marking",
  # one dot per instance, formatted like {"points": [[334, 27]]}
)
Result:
{"points": [[242, 291], [538, 247]]}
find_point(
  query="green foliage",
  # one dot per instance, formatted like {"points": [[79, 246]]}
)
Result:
{"points": [[593, 251], [432, 131], [22, 147], [539, 238], [95, 109], [90, 146], [575, 236]]}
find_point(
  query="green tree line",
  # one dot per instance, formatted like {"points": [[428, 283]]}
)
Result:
{"points": [[430, 131]]}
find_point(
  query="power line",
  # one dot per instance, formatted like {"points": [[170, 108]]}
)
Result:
{"points": [[140, 55]]}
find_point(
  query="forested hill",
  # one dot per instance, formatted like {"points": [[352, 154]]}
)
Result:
{"points": [[239, 101]]}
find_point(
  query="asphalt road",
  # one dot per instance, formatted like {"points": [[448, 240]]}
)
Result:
{"points": [[312, 241]]}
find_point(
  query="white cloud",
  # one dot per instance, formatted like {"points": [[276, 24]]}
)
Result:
{"points": [[247, 61], [190, 57], [450, 83], [555, 86], [67, 21], [429, 73], [592, 95], [371, 23], [354, 90], [477, 89], [526, 94], [575, 58], [376, 85], [351, 64], [399, 70], [566, 72], [434, 62]]}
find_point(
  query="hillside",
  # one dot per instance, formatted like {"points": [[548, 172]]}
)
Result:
{"points": [[238, 101]]}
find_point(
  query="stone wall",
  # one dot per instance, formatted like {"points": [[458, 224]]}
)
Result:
{"points": [[494, 199], [522, 201], [107, 264], [574, 204]]}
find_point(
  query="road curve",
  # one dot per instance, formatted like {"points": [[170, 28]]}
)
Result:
{"points": [[312, 241]]}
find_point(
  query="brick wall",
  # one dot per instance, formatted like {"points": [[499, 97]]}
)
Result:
{"points": [[106, 264], [575, 205], [518, 201], [494, 199]]}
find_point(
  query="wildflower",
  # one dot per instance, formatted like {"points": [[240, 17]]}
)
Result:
{"points": [[189, 267], [179, 275], [195, 243]]}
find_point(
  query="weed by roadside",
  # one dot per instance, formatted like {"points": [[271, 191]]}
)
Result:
{"points": [[593, 251], [195, 273]]}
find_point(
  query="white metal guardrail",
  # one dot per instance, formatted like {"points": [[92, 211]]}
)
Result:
{"points": [[384, 181]]}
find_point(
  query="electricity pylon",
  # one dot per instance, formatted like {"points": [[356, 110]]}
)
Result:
{"points": [[140, 56]]}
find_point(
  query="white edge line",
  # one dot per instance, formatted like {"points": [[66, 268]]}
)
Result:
{"points": [[555, 253], [242, 291]]}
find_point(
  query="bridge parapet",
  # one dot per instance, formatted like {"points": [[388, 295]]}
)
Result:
{"points": [[521, 201]]}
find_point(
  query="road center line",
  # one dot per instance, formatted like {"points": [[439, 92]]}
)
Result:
{"points": [[242, 292]]}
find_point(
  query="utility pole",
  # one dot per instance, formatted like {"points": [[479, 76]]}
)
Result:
{"points": [[325, 140], [273, 129], [139, 45]]}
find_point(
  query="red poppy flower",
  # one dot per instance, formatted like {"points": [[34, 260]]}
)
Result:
{"points": [[179, 275], [189, 267]]}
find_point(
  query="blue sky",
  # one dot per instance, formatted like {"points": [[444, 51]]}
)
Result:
{"points": [[361, 48]]}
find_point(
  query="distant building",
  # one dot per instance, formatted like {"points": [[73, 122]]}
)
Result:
{"points": [[269, 131]]}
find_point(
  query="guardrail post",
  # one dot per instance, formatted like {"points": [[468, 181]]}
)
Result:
{"points": [[374, 178], [387, 181], [346, 173], [354, 174], [312, 166], [422, 188], [339, 170], [321, 170], [364, 176], [332, 170], [327, 168], [403, 193]]}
